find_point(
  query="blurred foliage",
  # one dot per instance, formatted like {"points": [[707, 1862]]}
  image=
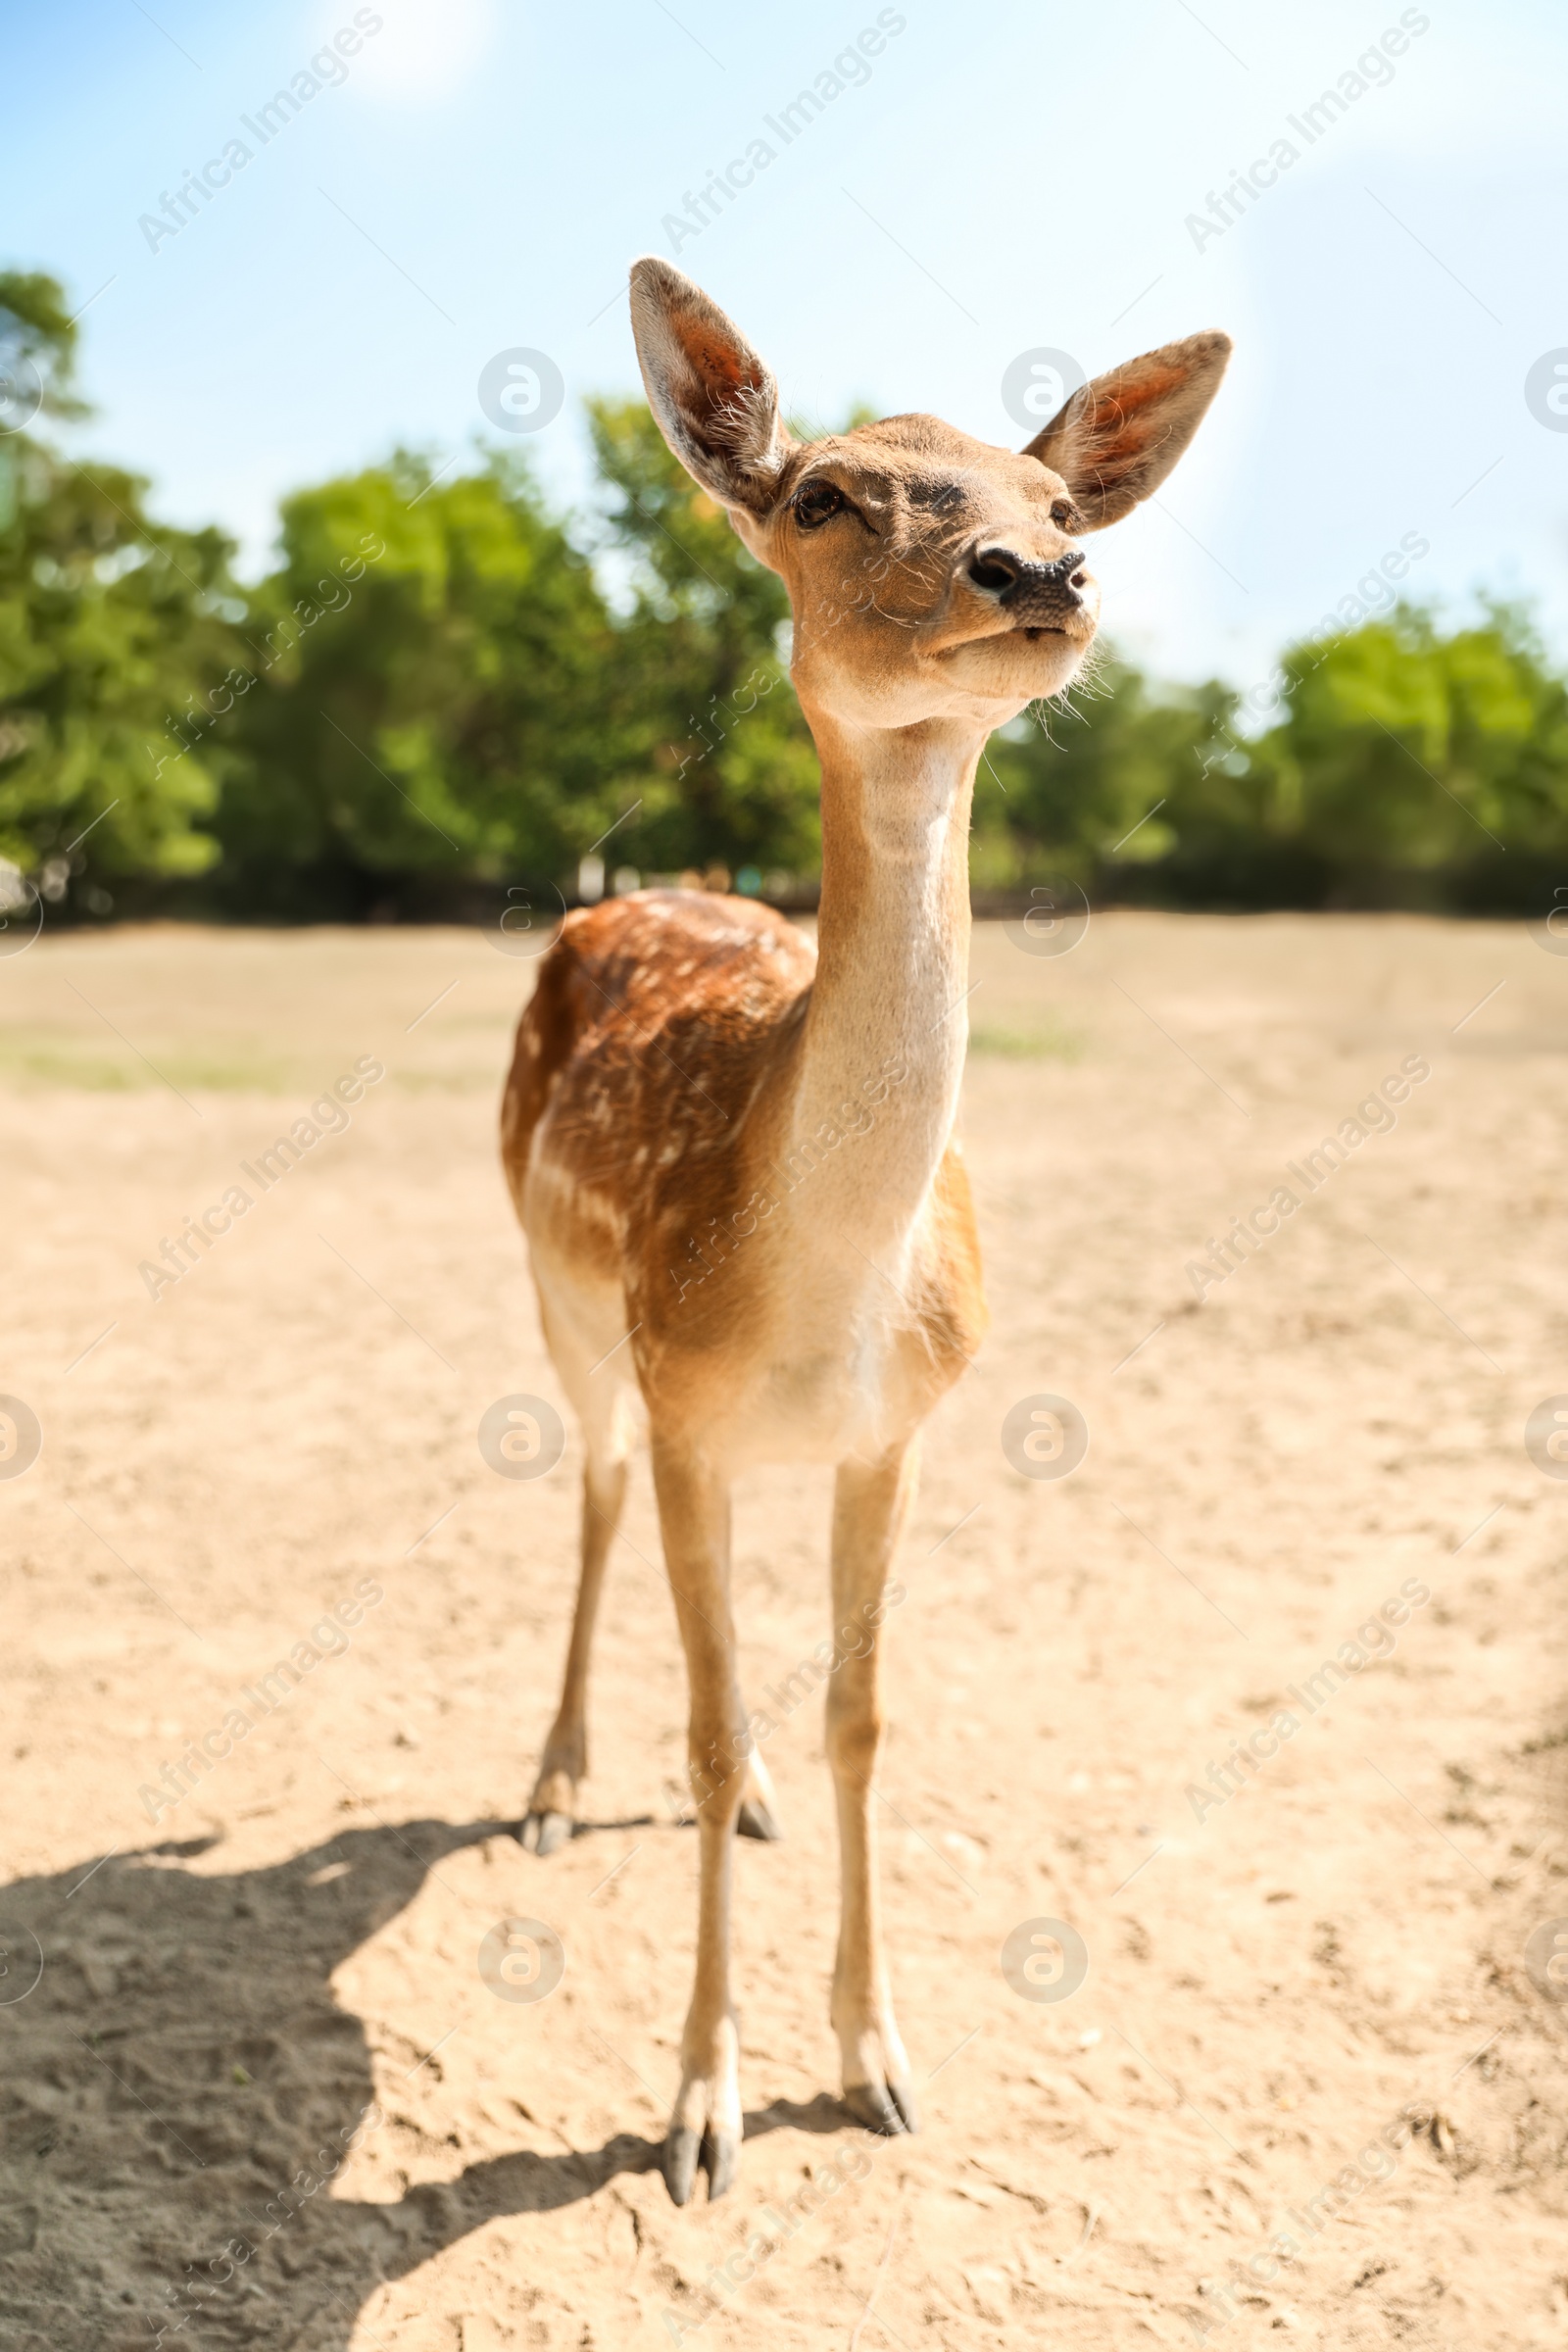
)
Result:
{"points": [[435, 693], [110, 625], [37, 350], [738, 777], [1067, 781], [1402, 747], [1403, 763], [446, 685]]}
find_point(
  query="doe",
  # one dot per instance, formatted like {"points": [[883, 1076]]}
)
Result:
{"points": [[737, 1157]]}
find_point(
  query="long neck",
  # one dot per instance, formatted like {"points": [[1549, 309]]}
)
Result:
{"points": [[881, 1054]]}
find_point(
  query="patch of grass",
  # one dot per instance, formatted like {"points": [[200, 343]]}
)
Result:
{"points": [[49, 1065], [237, 1077], [85, 1069], [1050, 1043]]}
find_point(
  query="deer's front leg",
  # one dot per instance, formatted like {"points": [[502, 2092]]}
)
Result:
{"points": [[869, 1505], [694, 1516]]}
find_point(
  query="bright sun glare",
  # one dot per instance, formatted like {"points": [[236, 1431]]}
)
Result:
{"points": [[425, 49]]}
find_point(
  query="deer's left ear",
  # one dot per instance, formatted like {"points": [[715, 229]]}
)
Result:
{"points": [[714, 401], [1120, 436]]}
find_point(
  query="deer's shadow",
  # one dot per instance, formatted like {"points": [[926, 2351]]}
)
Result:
{"points": [[179, 2084]]}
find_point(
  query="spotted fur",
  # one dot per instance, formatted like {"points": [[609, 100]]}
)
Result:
{"points": [[735, 1159]]}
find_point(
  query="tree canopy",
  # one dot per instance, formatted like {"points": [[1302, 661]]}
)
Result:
{"points": [[110, 626], [446, 683]]}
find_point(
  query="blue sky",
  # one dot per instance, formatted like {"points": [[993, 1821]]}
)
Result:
{"points": [[1002, 180]]}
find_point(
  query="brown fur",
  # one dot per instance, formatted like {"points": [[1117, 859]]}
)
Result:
{"points": [[649, 1067], [735, 1160]]}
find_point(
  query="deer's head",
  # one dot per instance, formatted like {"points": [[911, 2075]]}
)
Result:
{"points": [[931, 575]]}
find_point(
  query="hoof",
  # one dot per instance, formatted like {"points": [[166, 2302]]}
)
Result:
{"points": [[754, 1820], [722, 2154], [681, 2164], [545, 1832], [890, 2111], [718, 2152]]}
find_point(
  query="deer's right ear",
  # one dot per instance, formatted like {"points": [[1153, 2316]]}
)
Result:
{"points": [[716, 403]]}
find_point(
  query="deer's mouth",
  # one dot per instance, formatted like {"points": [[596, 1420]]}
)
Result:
{"points": [[1077, 630]]}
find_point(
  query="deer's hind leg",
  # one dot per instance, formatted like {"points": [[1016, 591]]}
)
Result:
{"points": [[553, 1807], [603, 1404]]}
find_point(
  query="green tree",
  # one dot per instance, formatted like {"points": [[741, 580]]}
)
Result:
{"points": [[1069, 780], [114, 632], [1403, 762], [435, 692], [1406, 748], [448, 680], [734, 771]]}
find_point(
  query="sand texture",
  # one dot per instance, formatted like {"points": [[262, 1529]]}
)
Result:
{"points": [[262, 2094]]}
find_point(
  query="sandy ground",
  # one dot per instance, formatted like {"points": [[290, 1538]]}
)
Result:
{"points": [[289, 1959]]}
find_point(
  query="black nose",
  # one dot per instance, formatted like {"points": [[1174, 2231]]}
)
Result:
{"points": [[1004, 573], [1025, 586]]}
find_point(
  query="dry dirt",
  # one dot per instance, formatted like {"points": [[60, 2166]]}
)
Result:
{"points": [[292, 1950]]}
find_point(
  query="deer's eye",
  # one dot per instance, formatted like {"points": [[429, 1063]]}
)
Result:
{"points": [[815, 502], [1063, 513]]}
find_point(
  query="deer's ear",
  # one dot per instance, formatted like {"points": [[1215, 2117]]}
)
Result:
{"points": [[1120, 436], [716, 403]]}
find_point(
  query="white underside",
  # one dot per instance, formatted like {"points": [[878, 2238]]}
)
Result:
{"points": [[824, 1395]]}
